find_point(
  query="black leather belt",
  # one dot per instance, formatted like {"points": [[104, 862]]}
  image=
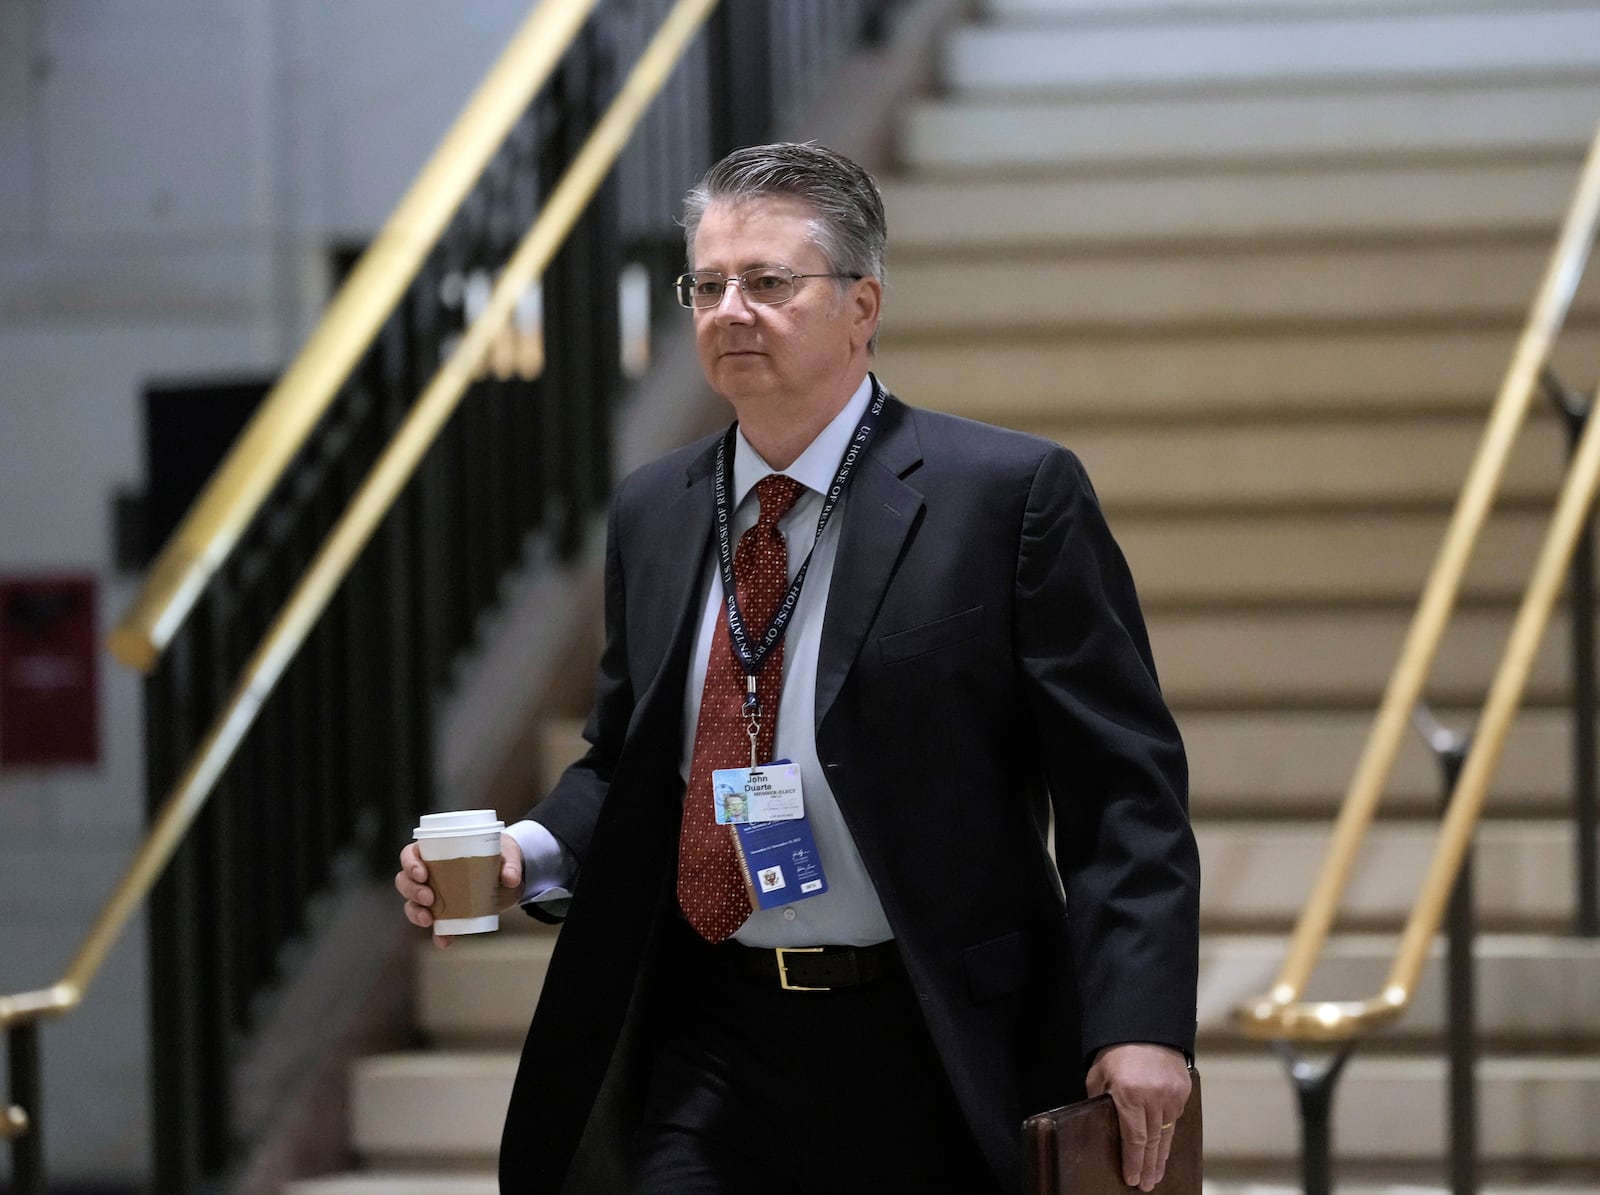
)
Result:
{"points": [[820, 968]]}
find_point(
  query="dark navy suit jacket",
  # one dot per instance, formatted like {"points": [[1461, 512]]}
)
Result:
{"points": [[984, 661]]}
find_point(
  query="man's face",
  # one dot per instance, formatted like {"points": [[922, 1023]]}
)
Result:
{"points": [[811, 349]]}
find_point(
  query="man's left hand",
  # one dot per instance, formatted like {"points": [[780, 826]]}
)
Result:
{"points": [[1150, 1086]]}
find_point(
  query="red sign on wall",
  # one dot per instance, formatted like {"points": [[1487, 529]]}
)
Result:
{"points": [[49, 680]]}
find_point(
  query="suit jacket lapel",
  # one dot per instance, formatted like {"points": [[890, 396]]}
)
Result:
{"points": [[680, 541], [879, 514]]}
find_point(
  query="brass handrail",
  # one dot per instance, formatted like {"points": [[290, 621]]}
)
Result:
{"points": [[211, 529], [1280, 1014], [377, 494]]}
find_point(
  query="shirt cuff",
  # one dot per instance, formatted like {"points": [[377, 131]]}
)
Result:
{"points": [[548, 867]]}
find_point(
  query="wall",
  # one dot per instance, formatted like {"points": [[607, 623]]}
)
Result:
{"points": [[171, 173]]}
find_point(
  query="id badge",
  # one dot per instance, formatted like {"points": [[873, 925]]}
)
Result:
{"points": [[769, 793]]}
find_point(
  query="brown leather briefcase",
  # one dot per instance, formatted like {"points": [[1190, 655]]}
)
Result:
{"points": [[1077, 1150]]}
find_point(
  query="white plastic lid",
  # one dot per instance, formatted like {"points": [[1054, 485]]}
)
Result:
{"points": [[461, 821]]}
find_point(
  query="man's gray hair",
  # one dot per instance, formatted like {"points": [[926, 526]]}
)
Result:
{"points": [[850, 229]]}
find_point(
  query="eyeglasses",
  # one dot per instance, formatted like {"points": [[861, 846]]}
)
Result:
{"points": [[763, 284]]}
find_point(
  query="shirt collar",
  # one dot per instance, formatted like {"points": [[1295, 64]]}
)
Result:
{"points": [[818, 465]]}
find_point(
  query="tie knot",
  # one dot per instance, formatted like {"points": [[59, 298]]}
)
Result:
{"points": [[777, 494]]}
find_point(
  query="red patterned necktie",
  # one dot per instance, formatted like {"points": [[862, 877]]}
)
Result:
{"points": [[711, 887]]}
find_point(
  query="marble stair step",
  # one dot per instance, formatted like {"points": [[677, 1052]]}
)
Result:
{"points": [[1371, 465], [999, 214], [443, 1111], [1529, 987], [482, 989], [957, 135], [1033, 52], [1266, 374], [563, 742], [1332, 557], [439, 1109], [460, 1181], [1224, 288], [1534, 1110], [1259, 874], [1297, 764], [1241, 660]]}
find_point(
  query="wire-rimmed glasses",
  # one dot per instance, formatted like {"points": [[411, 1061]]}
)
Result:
{"points": [[761, 284]]}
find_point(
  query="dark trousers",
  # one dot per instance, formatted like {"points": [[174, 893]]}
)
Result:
{"points": [[757, 1089]]}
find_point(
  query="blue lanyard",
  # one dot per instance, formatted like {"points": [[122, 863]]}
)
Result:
{"points": [[753, 656]]}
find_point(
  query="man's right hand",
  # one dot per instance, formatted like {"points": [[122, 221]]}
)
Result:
{"points": [[411, 881]]}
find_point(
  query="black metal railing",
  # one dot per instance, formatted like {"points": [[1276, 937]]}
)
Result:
{"points": [[1315, 1080], [1333, 1028], [1576, 410], [340, 760], [1450, 749]]}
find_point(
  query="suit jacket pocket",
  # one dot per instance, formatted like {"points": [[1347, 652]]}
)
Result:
{"points": [[931, 636], [997, 967]]}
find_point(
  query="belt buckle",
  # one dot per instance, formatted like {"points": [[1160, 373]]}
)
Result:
{"points": [[783, 967]]}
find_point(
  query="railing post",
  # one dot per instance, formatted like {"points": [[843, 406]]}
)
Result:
{"points": [[1586, 919], [174, 1098], [1461, 1043], [742, 103], [1585, 771], [24, 1090], [1314, 1082]]}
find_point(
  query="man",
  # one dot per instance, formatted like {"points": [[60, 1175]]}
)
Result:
{"points": [[940, 640]]}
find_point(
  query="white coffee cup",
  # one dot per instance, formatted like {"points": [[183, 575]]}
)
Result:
{"points": [[462, 851]]}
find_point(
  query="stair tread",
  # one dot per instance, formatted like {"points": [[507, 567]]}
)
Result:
{"points": [[1371, 463], [1317, 556], [1530, 987], [453, 1182], [495, 1005], [1393, 1107], [1435, 200], [437, 1103], [1290, 761], [1239, 659], [1256, 872], [1270, 49], [1271, 375], [1390, 1107], [1223, 287], [960, 134]]}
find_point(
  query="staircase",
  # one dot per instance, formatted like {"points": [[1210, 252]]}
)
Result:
{"points": [[1261, 263]]}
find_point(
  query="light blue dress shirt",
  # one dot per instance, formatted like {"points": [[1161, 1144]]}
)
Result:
{"points": [[849, 913]]}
